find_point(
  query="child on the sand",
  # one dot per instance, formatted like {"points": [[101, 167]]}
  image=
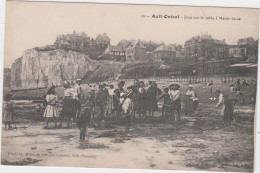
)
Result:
{"points": [[51, 110], [83, 121], [166, 102], [7, 111]]}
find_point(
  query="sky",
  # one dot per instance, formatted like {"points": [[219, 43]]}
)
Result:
{"points": [[36, 24]]}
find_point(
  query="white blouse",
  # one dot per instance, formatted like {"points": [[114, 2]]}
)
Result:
{"points": [[174, 95]]}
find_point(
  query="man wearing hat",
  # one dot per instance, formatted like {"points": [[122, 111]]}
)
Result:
{"points": [[78, 90], [101, 101]]}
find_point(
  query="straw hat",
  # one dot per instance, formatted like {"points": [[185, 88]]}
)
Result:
{"points": [[190, 86]]}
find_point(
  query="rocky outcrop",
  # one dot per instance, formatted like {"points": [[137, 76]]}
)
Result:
{"points": [[43, 68]]}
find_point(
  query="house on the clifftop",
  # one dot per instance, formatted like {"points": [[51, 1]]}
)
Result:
{"points": [[73, 41], [136, 51], [102, 42], [116, 53], [204, 45]]}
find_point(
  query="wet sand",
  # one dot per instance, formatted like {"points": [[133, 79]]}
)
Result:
{"points": [[201, 142]]}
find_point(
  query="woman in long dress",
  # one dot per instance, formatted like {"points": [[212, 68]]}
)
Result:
{"points": [[51, 110], [152, 93], [141, 100], [189, 101], [69, 104], [7, 111]]}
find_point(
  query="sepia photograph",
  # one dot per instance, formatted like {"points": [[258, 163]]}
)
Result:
{"points": [[98, 85]]}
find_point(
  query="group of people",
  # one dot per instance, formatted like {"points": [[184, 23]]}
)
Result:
{"points": [[71, 107], [136, 99], [238, 84], [126, 102]]}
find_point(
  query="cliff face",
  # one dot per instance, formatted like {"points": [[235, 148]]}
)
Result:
{"points": [[43, 68]]}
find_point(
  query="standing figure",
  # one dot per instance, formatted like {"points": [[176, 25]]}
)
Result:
{"points": [[118, 100], [78, 90], [134, 96], [83, 122], [220, 101], [141, 102], [111, 99], [101, 102], [69, 108], [176, 101], [92, 104], [195, 101], [8, 111], [51, 110], [152, 93], [166, 103], [189, 101], [228, 110]]}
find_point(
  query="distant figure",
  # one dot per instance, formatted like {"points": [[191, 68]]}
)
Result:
{"points": [[166, 103], [141, 102], [111, 105], [101, 102], [176, 101], [8, 111], [134, 96], [78, 90], [83, 122], [228, 109], [51, 110], [220, 100], [152, 92], [106, 99], [118, 101], [195, 101], [91, 102], [189, 103]]}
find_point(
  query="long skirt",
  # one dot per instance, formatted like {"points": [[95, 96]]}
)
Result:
{"points": [[68, 107], [189, 106], [176, 105], [151, 104]]}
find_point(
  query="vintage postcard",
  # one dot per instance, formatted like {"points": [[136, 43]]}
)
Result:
{"points": [[129, 86]]}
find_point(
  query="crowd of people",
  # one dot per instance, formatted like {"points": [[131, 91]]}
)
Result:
{"points": [[127, 102]]}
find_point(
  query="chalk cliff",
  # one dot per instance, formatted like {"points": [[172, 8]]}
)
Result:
{"points": [[43, 68]]}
